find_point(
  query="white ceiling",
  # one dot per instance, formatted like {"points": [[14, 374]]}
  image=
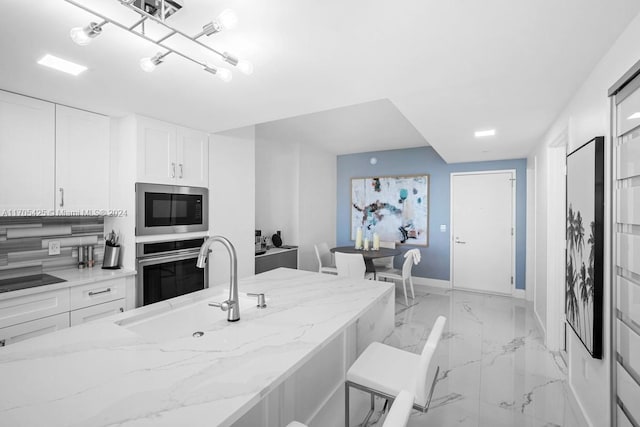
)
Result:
{"points": [[370, 126], [423, 70]]}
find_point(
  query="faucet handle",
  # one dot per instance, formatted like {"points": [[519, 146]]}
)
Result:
{"points": [[261, 301], [224, 305]]}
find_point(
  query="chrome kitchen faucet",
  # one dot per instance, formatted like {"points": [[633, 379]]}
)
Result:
{"points": [[232, 304]]}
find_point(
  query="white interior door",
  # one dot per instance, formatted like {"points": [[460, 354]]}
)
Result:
{"points": [[482, 231]]}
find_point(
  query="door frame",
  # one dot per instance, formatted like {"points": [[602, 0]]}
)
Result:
{"points": [[513, 221]]}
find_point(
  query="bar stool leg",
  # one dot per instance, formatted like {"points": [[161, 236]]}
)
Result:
{"points": [[371, 410], [346, 405]]}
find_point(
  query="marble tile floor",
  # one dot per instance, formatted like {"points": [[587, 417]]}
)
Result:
{"points": [[494, 368]]}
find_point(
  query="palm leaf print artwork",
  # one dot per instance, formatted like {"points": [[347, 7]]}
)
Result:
{"points": [[585, 213]]}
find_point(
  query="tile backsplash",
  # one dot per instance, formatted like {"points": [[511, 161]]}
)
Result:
{"points": [[24, 243]]}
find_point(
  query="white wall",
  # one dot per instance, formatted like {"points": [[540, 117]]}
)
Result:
{"points": [[232, 201], [540, 292], [587, 116], [295, 191], [277, 188], [318, 203]]}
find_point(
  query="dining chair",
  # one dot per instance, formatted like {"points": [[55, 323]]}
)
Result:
{"points": [[325, 263], [386, 263], [385, 371], [398, 415], [352, 265], [403, 275]]}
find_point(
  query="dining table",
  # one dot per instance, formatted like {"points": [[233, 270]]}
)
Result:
{"points": [[368, 255]]}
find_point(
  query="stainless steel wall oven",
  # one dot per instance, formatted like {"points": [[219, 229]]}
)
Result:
{"points": [[168, 269]]}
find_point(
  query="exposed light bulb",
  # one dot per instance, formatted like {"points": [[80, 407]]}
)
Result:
{"points": [[224, 74], [228, 19], [79, 36], [149, 64], [83, 35], [245, 67]]}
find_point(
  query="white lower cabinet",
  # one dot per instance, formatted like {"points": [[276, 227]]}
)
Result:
{"points": [[40, 313], [31, 307], [95, 312], [96, 293], [96, 300], [22, 331]]}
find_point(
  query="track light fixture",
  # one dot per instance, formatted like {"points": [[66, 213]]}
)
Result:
{"points": [[244, 66], [83, 36], [227, 20], [158, 11], [150, 64], [222, 73]]}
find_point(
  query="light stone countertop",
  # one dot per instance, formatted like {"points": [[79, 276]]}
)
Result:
{"points": [[73, 277], [127, 370], [274, 250]]}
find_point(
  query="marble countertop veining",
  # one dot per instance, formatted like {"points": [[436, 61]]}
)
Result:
{"points": [[73, 277], [118, 371]]}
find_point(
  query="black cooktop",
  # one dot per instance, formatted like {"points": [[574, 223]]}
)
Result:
{"points": [[24, 282]]}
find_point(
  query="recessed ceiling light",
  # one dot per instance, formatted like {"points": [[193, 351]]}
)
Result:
{"points": [[61, 65], [634, 116], [488, 132]]}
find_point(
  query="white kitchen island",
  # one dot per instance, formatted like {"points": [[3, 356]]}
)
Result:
{"points": [[145, 368]]}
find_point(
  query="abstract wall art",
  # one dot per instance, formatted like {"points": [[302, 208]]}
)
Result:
{"points": [[584, 261], [396, 208]]}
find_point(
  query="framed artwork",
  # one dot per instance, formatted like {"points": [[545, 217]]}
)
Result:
{"points": [[585, 237], [396, 208]]}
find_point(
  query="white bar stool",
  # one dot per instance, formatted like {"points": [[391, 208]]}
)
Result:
{"points": [[385, 371], [398, 414]]}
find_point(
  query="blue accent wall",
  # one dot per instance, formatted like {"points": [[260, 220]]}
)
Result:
{"points": [[425, 160]]}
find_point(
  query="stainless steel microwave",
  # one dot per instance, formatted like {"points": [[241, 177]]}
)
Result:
{"points": [[166, 209]]}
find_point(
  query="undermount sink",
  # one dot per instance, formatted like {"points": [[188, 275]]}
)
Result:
{"points": [[193, 320]]}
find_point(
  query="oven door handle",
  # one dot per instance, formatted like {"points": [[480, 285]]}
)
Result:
{"points": [[167, 258]]}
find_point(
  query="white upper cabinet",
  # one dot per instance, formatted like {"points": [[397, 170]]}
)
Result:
{"points": [[156, 152], [27, 148], [193, 158], [170, 154], [82, 161], [53, 159]]}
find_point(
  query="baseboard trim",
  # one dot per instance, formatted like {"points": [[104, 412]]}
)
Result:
{"points": [[436, 283], [540, 324], [577, 407], [519, 293]]}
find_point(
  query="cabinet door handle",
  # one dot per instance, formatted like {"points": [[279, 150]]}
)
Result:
{"points": [[3, 343], [181, 171], [173, 170], [61, 197], [99, 292], [121, 309]]}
